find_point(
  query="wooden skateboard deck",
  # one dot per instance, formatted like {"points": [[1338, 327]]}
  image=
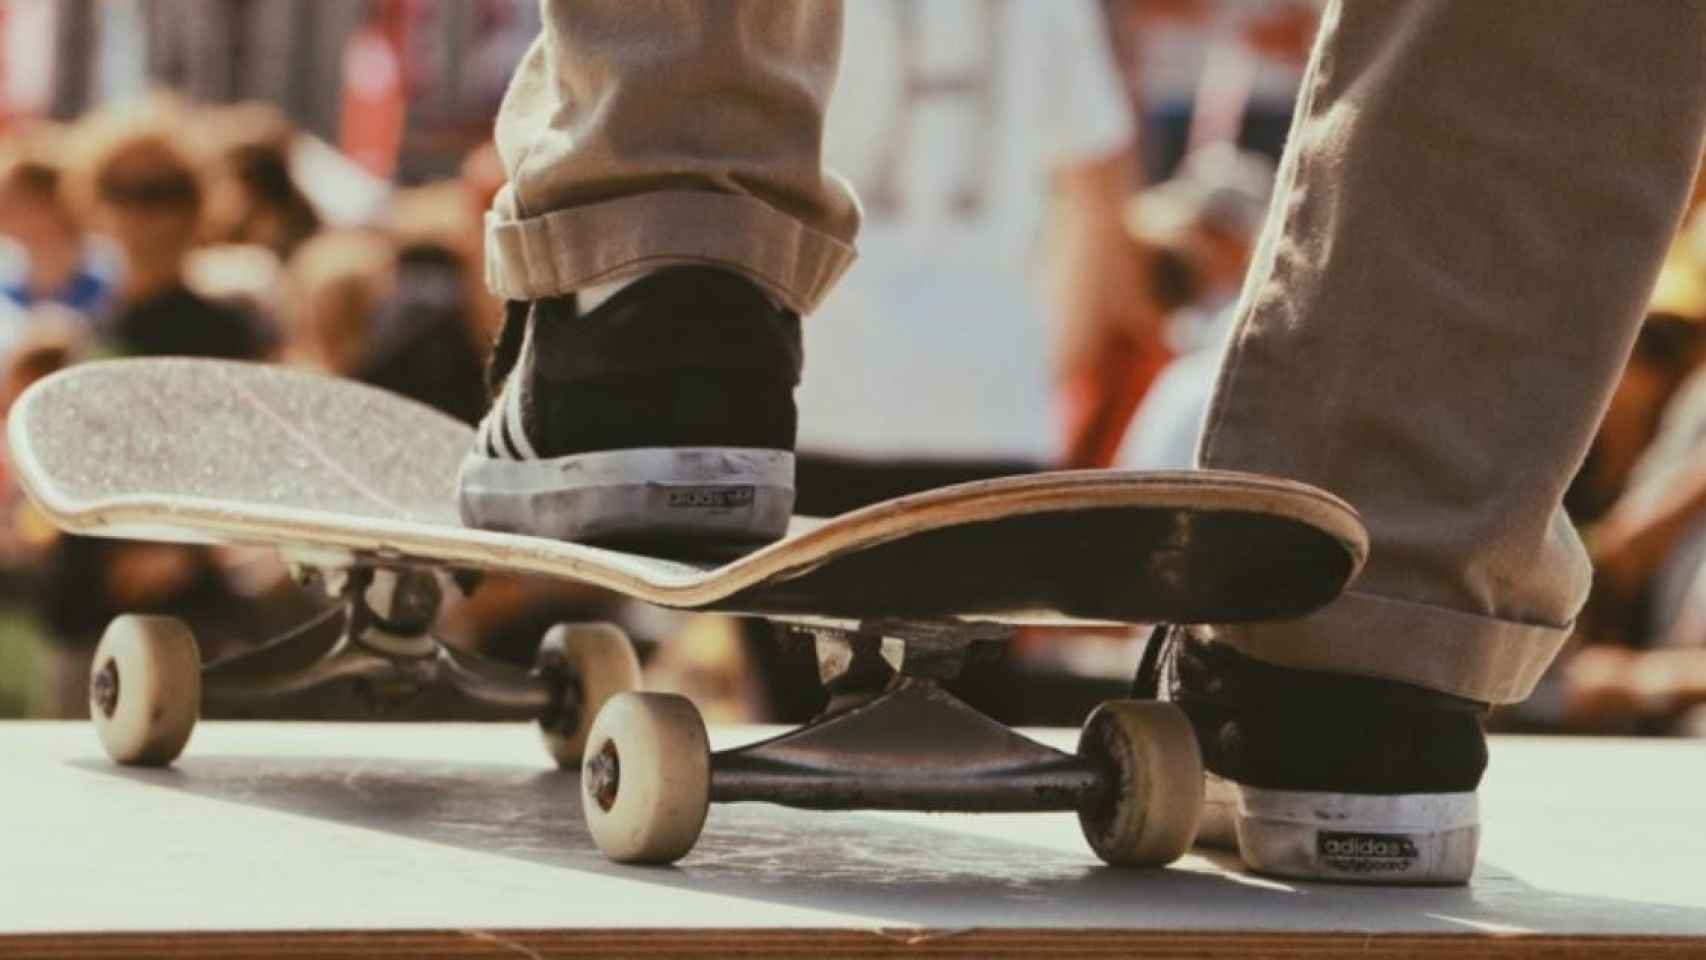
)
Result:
{"points": [[340, 474], [225, 452]]}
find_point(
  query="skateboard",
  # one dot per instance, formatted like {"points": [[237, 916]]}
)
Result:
{"points": [[356, 489]]}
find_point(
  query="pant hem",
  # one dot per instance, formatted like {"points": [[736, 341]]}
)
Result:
{"points": [[556, 253], [1467, 655]]}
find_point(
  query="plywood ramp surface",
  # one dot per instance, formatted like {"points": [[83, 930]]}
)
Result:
{"points": [[274, 839]]}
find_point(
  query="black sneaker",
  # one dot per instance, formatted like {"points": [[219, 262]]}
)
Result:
{"points": [[1325, 776], [662, 419]]}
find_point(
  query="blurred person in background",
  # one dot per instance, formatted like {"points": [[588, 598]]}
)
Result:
{"points": [[1668, 351], [1203, 223], [969, 130], [390, 309], [142, 188], [482, 175], [1648, 544], [1208, 71], [428, 335], [1642, 665], [252, 195], [1197, 73], [52, 341], [481, 178], [57, 263], [270, 188], [140, 184], [332, 288], [35, 679]]}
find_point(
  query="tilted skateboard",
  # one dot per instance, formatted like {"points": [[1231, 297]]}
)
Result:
{"points": [[356, 486]]}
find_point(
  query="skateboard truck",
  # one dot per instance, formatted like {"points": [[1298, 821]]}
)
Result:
{"points": [[147, 686], [893, 739], [384, 655], [884, 683], [858, 759]]}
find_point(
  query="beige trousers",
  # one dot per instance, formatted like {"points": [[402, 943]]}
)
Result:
{"points": [[1473, 204], [1472, 207], [643, 133]]}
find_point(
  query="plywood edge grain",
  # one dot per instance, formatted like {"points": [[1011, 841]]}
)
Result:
{"points": [[830, 944]]}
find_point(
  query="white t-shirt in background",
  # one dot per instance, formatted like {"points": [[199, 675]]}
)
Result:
{"points": [[935, 344]]}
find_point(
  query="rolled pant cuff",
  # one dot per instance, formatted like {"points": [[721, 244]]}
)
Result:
{"points": [[1475, 657], [556, 253]]}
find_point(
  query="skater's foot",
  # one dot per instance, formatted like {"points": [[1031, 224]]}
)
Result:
{"points": [[661, 418], [1323, 776]]}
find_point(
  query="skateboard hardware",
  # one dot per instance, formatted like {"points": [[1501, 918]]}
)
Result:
{"points": [[858, 754], [381, 659], [603, 775], [883, 678], [103, 687], [384, 654], [862, 758], [904, 743]]}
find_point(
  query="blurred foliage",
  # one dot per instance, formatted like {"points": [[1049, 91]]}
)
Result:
{"points": [[20, 641]]}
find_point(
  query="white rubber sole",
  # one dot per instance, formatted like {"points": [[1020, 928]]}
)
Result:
{"points": [[1406, 839], [653, 493], [1219, 825]]}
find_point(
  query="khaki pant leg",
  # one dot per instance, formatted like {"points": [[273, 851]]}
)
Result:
{"points": [[646, 133], [1473, 205]]}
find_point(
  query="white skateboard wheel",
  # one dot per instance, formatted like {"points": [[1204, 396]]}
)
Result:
{"points": [[1150, 814], [145, 689], [646, 782], [595, 661]]}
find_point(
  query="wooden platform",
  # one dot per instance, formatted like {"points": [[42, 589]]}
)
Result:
{"points": [[457, 840]]}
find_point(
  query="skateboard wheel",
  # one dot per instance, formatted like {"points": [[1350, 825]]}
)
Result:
{"points": [[1149, 815], [592, 662], [646, 781], [145, 689]]}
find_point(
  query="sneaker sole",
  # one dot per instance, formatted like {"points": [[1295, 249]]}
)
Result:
{"points": [[1407, 839], [649, 494], [1219, 826]]}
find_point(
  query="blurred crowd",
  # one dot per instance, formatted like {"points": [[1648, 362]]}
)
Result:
{"points": [[1638, 662], [162, 225], [166, 228]]}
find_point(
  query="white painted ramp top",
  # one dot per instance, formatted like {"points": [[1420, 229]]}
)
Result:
{"points": [[273, 828]]}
